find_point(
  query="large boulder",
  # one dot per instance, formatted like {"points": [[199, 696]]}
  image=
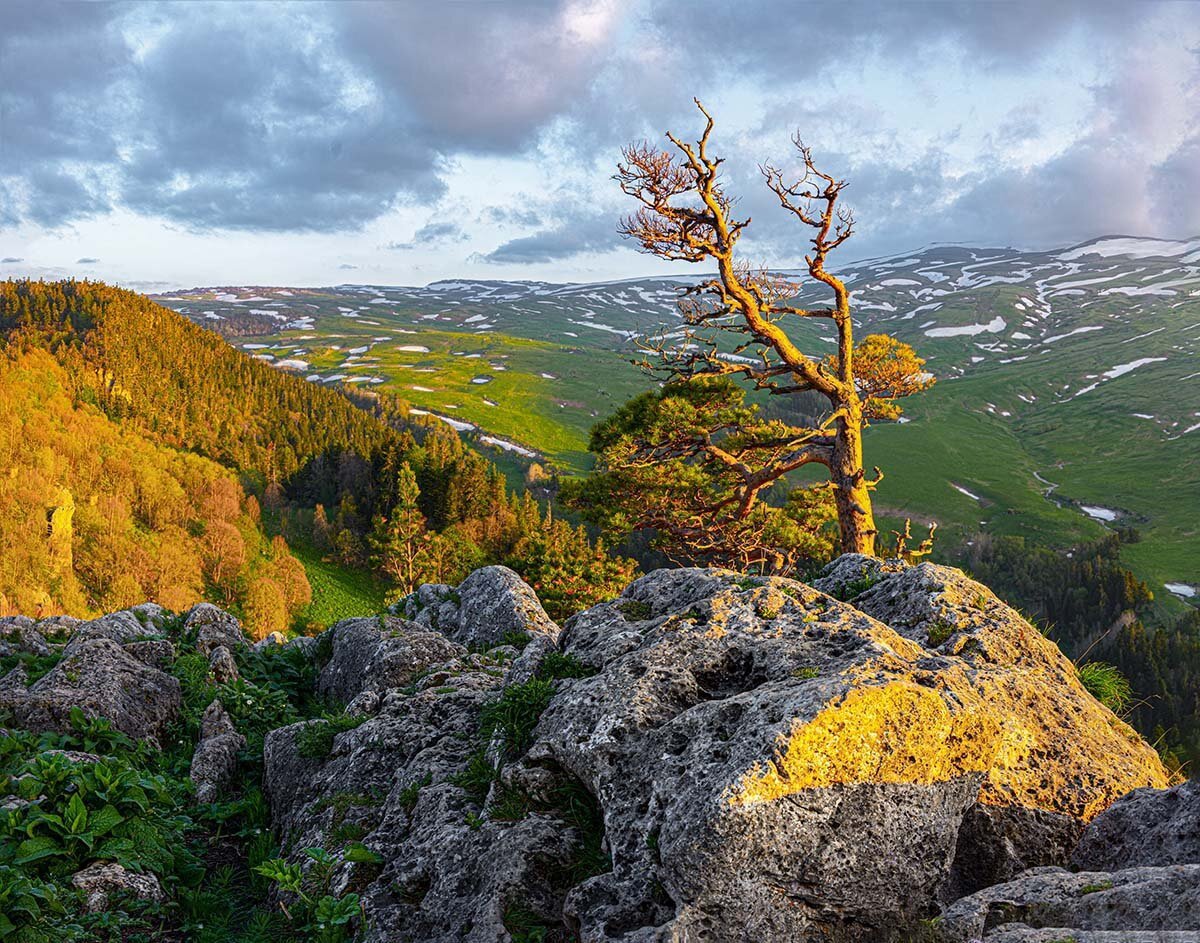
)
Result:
{"points": [[1146, 827], [721, 758], [214, 628], [97, 675], [781, 764], [374, 654], [1050, 904], [490, 607]]}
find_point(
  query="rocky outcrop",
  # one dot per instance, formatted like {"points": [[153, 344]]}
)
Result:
{"points": [[214, 628], [1053, 904], [763, 761], [214, 762], [1146, 827], [373, 654], [1138, 878], [490, 607], [97, 675]]}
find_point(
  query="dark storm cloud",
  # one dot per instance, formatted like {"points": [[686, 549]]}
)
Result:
{"points": [[322, 117], [255, 122], [86, 260], [433, 233], [11, 260], [56, 61], [760, 35], [570, 238], [482, 76]]}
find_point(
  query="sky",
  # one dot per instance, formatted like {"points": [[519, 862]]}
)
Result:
{"points": [[179, 144]]}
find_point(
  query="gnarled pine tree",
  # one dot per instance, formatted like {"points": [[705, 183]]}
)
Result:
{"points": [[686, 215]]}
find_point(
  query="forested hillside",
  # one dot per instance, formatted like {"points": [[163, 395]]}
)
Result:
{"points": [[96, 516], [342, 475]]}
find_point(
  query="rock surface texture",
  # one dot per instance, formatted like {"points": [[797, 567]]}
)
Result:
{"points": [[490, 607], [709, 757], [215, 760], [97, 675]]}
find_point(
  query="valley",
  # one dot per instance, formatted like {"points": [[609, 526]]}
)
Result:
{"points": [[1067, 402]]}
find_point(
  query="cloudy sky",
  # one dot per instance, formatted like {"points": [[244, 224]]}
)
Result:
{"points": [[181, 144]]}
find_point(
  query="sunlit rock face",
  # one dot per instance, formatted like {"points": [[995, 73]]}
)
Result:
{"points": [[774, 762], [711, 757]]}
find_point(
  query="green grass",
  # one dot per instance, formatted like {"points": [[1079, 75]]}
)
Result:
{"points": [[338, 592]]}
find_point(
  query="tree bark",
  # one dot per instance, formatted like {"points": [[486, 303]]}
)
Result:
{"points": [[851, 493]]}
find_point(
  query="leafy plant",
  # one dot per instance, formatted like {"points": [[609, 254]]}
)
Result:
{"points": [[316, 914], [29, 909], [515, 713], [315, 739]]}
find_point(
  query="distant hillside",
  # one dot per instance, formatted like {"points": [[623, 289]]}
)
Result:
{"points": [[1069, 401], [348, 481], [146, 363], [95, 515]]}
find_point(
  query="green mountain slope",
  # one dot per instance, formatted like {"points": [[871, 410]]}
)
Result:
{"points": [[1068, 399]]}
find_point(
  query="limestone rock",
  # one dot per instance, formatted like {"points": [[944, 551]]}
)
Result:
{"points": [[103, 881], [1125, 903], [369, 654], [804, 766], [270, 641], [19, 634], [450, 871], [158, 653], [222, 666], [97, 675], [1146, 827], [433, 605], [214, 627], [123, 627], [215, 759], [765, 762], [489, 607]]}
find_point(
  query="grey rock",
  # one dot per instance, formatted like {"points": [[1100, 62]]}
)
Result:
{"points": [[101, 678], [58, 628], [75, 756], [996, 843], [489, 607], [102, 882], [123, 627], [450, 871], [1146, 827], [374, 654], [433, 605], [214, 762], [768, 763], [214, 627], [364, 704], [495, 603], [749, 729], [270, 641], [1132, 900], [159, 653], [222, 666], [18, 634], [1017, 933], [529, 661]]}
